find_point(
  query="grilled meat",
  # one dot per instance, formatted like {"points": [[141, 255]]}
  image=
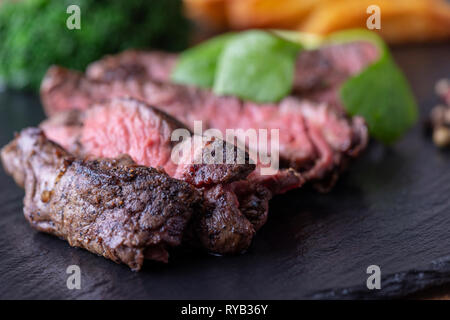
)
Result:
{"points": [[111, 207], [314, 139], [115, 204], [128, 126], [318, 73], [133, 63]]}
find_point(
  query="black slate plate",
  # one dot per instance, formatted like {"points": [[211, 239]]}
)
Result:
{"points": [[391, 209]]}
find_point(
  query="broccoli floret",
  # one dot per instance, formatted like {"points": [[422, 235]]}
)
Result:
{"points": [[34, 35]]}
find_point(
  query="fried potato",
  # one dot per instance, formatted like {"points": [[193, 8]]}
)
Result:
{"points": [[268, 13], [401, 20], [210, 12], [414, 28], [330, 15]]}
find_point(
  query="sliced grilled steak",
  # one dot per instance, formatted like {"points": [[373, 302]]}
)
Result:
{"points": [[65, 129], [128, 212], [439, 121], [318, 73], [128, 126], [224, 228], [114, 208], [133, 63], [314, 138]]}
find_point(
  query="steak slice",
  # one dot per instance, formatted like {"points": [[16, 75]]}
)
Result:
{"points": [[65, 129], [111, 207], [128, 126], [318, 73], [314, 139], [156, 65], [223, 228]]}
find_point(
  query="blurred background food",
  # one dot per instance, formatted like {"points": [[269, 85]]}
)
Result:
{"points": [[33, 34], [402, 21], [439, 121]]}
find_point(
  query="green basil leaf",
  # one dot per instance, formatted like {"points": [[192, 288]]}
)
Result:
{"points": [[197, 65], [256, 65], [382, 96], [259, 66], [380, 93]]}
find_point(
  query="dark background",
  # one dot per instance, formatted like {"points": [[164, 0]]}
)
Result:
{"points": [[392, 209]]}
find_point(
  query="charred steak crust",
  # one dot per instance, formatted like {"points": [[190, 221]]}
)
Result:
{"points": [[217, 170], [223, 228], [113, 208]]}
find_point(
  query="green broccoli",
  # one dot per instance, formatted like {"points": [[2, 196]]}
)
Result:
{"points": [[34, 35]]}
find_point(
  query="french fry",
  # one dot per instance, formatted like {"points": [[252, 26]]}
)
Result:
{"points": [[330, 16], [210, 12], [267, 13], [401, 20], [414, 28], [440, 11]]}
